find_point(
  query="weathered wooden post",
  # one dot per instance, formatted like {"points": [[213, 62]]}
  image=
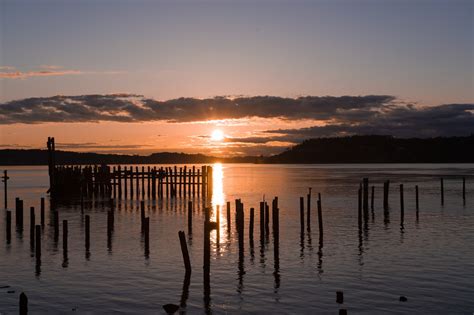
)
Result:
{"points": [[9, 226], [386, 187], [23, 304], [339, 297], [262, 219], [442, 191], [38, 242], [366, 197], [228, 215], [252, 213], [56, 225], [267, 219], [320, 217], [184, 251], [402, 204], [218, 224], [32, 227], [88, 233], [5, 179], [125, 182], [416, 199], [207, 245], [42, 212], [65, 234], [359, 206], [19, 214], [190, 217], [147, 235], [308, 210], [302, 213]]}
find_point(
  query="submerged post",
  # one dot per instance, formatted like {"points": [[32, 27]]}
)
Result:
{"points": [[252, 213], [402, 203], [416, 199], [320, 217], [464, 189], [147, 235], [190, 217], [184, 251], [308, 210], [228, 215], [372, 199], [65, 233]]}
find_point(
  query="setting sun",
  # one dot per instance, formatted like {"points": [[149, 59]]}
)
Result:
{"points": [[217, 135]]}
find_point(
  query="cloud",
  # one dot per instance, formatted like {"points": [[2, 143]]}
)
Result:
{"points": [[94, 145], [136, 108], [41, 73], [332, 116]]}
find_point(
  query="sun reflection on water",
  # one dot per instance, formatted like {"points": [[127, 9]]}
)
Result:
{"points": [[218, 201]]}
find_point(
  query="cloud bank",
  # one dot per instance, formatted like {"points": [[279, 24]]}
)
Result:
{"points": [[333, 116]]}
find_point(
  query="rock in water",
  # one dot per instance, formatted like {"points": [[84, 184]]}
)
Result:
{"points": [[171, 308], [403, 299]]}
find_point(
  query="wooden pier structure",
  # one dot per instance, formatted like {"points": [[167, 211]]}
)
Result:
{"points": [[127, 182]]}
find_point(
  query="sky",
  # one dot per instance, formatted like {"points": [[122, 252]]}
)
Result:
{"points": [[149, 76]]}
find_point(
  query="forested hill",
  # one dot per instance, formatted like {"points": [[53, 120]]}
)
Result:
{"points": [[379, 149]]}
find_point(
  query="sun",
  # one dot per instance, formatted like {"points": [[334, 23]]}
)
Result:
{"points": [[217, 135]]}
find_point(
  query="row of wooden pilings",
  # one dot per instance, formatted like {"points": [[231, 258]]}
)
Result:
{"points": [[363, 202]]}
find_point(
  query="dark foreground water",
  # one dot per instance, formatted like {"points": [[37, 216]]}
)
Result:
{"points": [[429, 260]]}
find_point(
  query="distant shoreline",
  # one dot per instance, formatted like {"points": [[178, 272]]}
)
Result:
{"points": [[341, 150]]}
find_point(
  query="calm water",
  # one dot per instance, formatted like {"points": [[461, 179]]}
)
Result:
{"points": [[430, 261]]}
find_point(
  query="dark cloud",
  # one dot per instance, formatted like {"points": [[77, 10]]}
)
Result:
{"points": [[399, 121], [136, 108]]}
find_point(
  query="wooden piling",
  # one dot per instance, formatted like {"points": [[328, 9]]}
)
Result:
{"points": [[416, 199], [252, 213], [42, 212], [320, 217], [5, 181], [228, 215], [302, 213], [9, 226], [88, 233], [386, 187], [38, 242], [147, 235], [308, 210], [65, 236], [56, 225], [23, 304], [262, 219], [19, 214], [32, 226], [402, 203], [184, 251], [365, 197]]}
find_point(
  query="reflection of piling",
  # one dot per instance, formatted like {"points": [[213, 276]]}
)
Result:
{"points": [[88, 233], [442, 191], [9, 226], [302, 213], [184, 251], [190, 217], [42, 211]]}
